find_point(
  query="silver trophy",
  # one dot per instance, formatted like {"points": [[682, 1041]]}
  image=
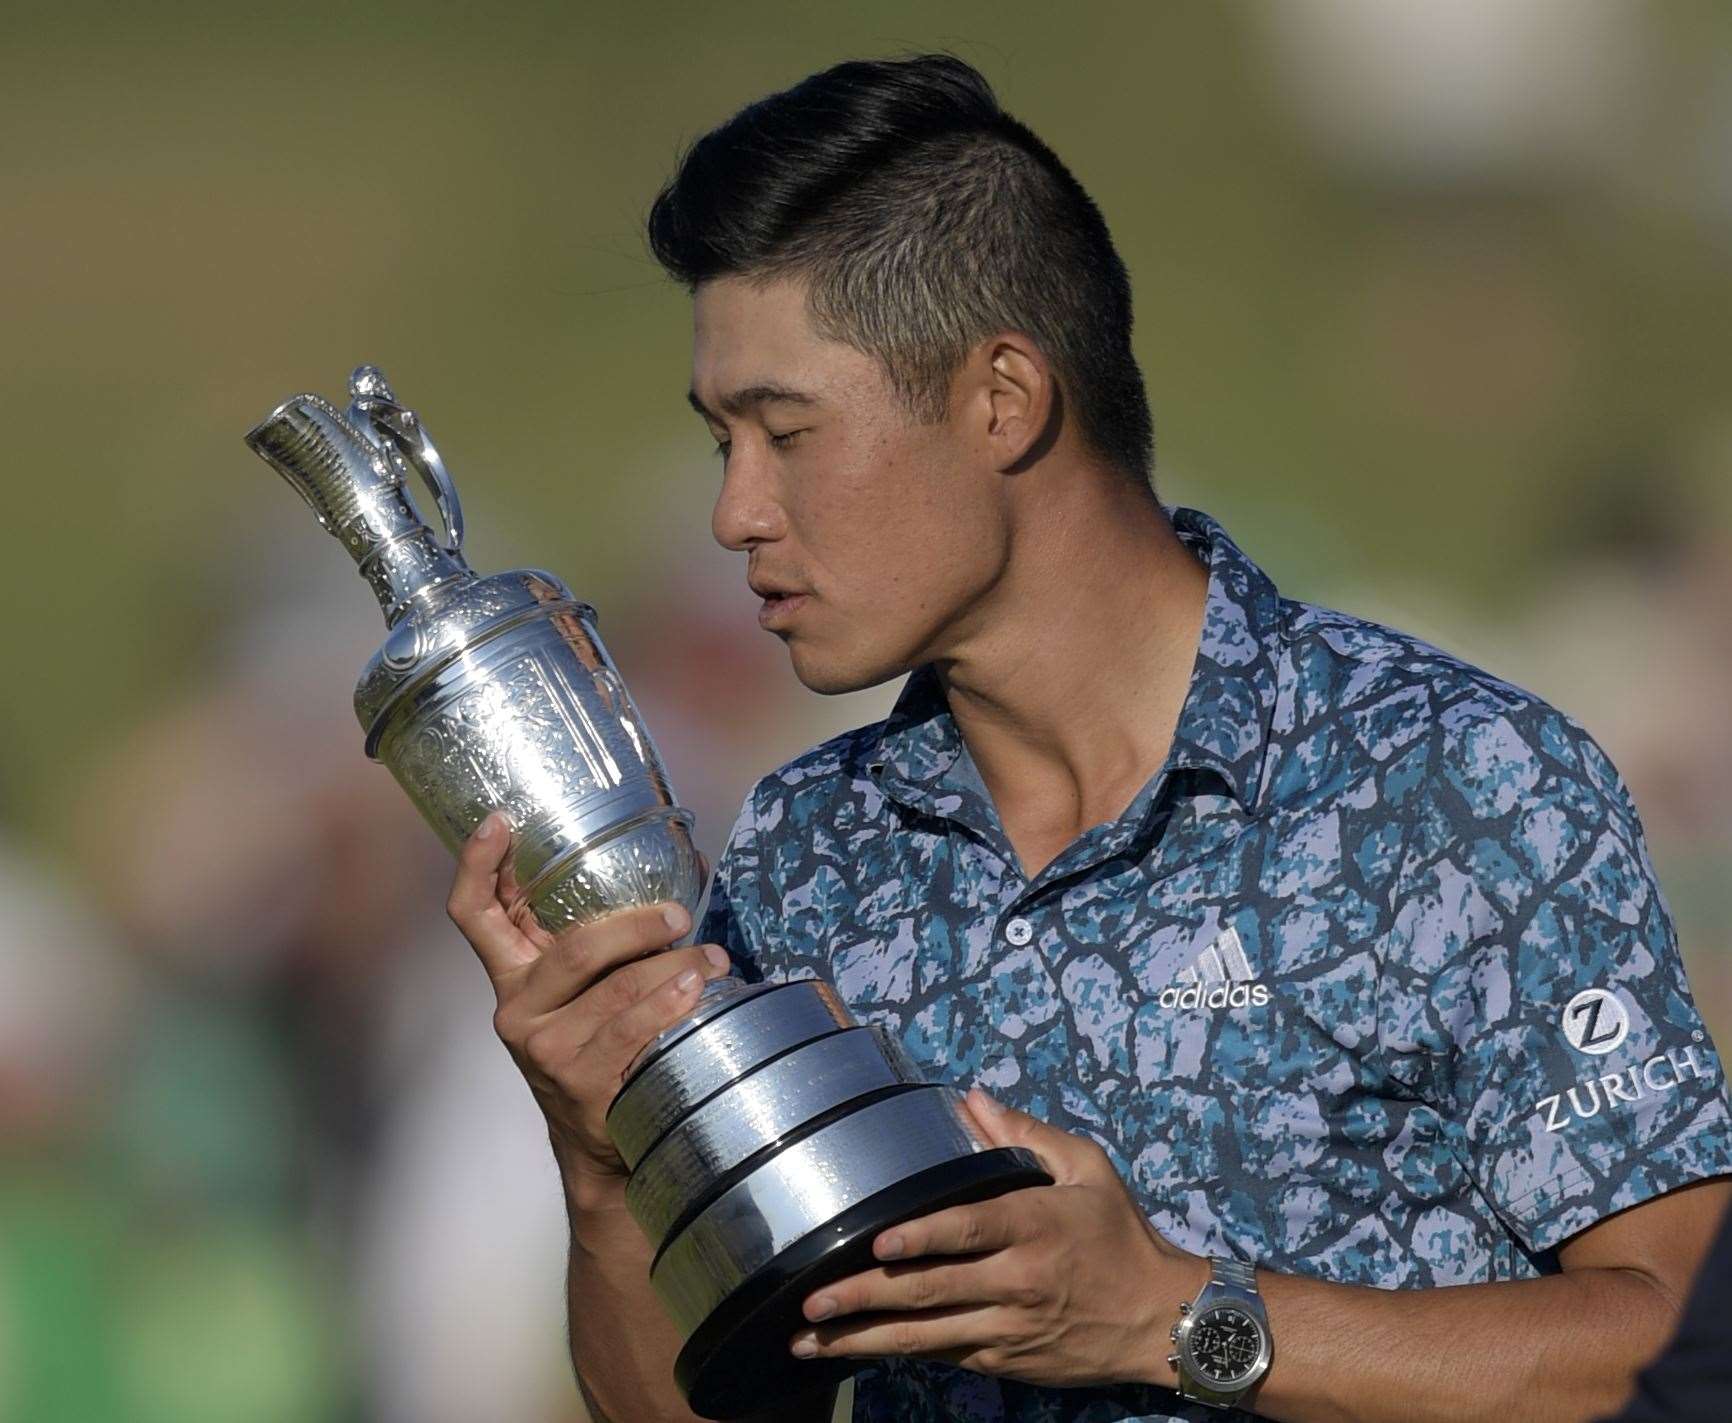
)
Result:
{"points": [[770, 1137]]}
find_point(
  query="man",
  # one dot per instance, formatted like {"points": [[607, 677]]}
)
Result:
{"points": [[1691, 1382], [1323, 970]]}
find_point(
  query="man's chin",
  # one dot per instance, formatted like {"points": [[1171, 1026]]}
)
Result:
{"points": [[834, 679]]}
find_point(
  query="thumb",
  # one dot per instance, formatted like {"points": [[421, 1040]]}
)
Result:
{"points": [[1059, 1151]]}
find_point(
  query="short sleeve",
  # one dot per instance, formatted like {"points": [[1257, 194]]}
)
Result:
{"points": [[732, 918], [1533, 992]]}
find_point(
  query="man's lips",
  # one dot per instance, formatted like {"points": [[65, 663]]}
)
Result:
{"points": [[781, 600], [780, 607]]}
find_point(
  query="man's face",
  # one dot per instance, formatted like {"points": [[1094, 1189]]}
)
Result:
{"points": [[891, 528]]}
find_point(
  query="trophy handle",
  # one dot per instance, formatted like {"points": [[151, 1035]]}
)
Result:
{"points": [[398, 431]]}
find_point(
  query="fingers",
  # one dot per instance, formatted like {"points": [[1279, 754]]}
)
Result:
{"points": [[548, 970], [1069, 1158], [961, 1230], [951, 1332], [583, 955], [622, 1035], [567, 1029], [519, 911], [903, 1288], [474, 902], [575, 1076]]}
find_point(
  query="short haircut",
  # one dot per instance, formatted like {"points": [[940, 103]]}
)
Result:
{"points": [[924, 219]]}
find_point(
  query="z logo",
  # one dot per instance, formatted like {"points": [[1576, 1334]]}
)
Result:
{"points": [[1595, 1021]]}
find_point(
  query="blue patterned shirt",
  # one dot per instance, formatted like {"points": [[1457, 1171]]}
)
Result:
{"points": [[1371, 982]]}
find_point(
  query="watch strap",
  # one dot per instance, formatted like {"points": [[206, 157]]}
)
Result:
{"points": [[1236, 1274]]}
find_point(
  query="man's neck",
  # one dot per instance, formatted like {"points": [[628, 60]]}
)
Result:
{"points": [[1068, 690]]}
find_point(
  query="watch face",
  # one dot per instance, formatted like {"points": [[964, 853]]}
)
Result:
{"points": [[1225, 1344]]}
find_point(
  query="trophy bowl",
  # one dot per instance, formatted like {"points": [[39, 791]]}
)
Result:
{"points": [[769, 1136]]}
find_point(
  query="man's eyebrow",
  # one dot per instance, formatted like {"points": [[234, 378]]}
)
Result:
{"points": [[737, 401]]}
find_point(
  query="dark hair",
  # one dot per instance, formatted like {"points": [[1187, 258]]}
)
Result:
{"points": [[925, 218]]}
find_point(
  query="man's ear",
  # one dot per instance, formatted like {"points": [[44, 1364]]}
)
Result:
{"points": [[1021, 398]]}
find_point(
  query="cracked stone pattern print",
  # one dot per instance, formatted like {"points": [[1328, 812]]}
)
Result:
{"points": [[1422, 865]]}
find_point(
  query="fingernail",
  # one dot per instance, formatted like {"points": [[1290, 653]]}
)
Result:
{"points": [[484, 831], [688, 980], [717, 955], [804, 1346], [676, 918], [991, 1103], [890, 1247], [821, 1308]]}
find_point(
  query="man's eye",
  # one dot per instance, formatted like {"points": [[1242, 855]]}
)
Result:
{"points": [[777, 442]]}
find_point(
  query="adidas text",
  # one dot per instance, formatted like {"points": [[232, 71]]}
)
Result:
{"points": [[1216, 995]]}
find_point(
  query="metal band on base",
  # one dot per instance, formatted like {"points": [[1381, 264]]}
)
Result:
{"points": [[738, 1359]]}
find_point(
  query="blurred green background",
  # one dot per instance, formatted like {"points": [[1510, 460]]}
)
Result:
{"points": [[1433, 301]]}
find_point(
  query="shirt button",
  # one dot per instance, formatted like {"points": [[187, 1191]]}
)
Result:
{"points": [[1019, 931]]}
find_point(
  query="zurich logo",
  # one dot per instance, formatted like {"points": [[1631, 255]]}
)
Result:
{"points": [[1595, 1021]]}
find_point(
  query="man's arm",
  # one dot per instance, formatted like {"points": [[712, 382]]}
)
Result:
{"points": [[574, 1009], [1069, 1285], [1564, 1347], [1691, 1381], [623, 1344]]}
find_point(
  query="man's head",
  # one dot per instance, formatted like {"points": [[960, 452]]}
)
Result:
{"points": [[903, 299]]}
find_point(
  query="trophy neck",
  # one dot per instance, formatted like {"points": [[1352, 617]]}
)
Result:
{"points": [[410, 571], [355, 491]]}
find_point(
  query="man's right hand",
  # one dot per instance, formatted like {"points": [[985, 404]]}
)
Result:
{"points": [[575, 1008]]}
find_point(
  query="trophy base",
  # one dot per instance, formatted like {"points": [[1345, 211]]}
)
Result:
{"points": [[737, 1361]]}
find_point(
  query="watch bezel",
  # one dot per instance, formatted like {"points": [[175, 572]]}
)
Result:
{"points": [[1253, 1371]]}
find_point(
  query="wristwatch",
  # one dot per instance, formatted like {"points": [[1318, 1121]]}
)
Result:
{"points": [[1222, 1344]]}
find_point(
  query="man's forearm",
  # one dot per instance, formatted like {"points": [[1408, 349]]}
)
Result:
{"points": [[623, 1344], [1563, 1347]]}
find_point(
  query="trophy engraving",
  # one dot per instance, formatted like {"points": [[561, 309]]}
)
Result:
{"points": [[770, 1137]]}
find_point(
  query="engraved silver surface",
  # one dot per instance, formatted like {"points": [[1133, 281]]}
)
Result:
{"points": [[703, 1062], [796, 1191], [755, 1113]]}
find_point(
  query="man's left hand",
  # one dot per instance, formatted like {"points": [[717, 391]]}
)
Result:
{"points": [[1062, 1285]]}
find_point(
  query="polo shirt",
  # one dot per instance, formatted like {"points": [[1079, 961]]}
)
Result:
{"points": [[1371, 982]]}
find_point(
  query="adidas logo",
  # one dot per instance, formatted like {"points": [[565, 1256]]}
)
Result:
{"points": [[1220, 978]]}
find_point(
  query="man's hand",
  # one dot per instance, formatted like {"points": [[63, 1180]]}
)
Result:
{"points": [[1061, 1285], [575, 1008]]}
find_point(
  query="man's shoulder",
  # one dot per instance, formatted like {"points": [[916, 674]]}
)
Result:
{"points": [[1399, 699], [1357, 660]]}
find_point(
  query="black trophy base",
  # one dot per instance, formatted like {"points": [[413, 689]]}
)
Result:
{"points": [[737, 1361]]}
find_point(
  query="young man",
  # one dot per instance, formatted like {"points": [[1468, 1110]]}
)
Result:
{"points": [[1323, 970]]}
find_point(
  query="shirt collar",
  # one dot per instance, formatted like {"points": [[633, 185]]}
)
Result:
{"points": [[1223, 727]]}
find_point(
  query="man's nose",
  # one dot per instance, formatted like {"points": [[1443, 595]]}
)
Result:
{"points": [[747, 511]]}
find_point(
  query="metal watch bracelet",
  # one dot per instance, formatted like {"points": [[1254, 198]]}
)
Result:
{"points": [[1231, 1310]]}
